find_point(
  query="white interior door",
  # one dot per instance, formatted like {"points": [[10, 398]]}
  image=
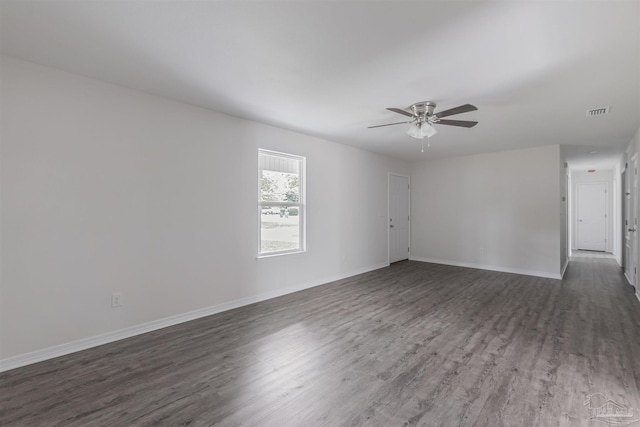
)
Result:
{"points": [[626, 193], [398, 218], [631, 223], [592, 216]]}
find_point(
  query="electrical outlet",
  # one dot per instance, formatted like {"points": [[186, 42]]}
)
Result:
{"points": [[116, 299]]}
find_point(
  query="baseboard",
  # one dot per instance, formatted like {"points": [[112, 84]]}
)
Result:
{"points": [[490, 267], [626, 276], [564, 268], [86, 343]]}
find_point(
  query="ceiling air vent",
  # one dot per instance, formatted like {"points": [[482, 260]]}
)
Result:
{"points": [[598, 111]]}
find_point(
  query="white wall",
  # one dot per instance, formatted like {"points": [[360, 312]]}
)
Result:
{"points": [[581, 177], [499, 211], [108, 189]]}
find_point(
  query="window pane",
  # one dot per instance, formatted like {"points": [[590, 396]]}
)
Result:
{"points": [[279, 179], [279, 229]]}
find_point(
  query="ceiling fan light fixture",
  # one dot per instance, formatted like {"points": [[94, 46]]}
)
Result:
{"points": [[415, 131], [428, 130]]}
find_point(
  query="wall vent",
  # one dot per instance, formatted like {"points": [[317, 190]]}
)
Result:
{"points": [[598, 111]]}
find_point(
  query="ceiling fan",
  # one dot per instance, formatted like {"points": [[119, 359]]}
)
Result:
{"points": [[423, 118]]}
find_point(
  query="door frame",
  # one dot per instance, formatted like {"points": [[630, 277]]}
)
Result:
{"points": [[389, 213]]}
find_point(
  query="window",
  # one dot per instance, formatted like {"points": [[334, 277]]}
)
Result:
{"points": [[280, 203]]}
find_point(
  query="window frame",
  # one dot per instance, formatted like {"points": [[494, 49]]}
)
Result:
{"points": [[300, 204]]}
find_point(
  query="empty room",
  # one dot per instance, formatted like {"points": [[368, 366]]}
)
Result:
{"points": [[310, 213]]}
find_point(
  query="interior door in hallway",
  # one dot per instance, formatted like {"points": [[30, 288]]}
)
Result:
{"points": [[398, 218], [631, 221], [592, 216]]}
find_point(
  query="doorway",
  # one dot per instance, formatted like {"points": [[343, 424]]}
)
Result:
{"points": [[398, 217], [591, 211]]}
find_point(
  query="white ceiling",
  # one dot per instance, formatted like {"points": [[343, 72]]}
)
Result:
{"points": [[330, 69]]}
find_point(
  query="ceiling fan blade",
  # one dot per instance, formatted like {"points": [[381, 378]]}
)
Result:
{"points": [[461, 123], [400, 111], [457, 110], [390, 124]]}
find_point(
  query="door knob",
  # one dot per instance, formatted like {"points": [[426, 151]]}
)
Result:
{"points": [[391, 226], [631, 229]]}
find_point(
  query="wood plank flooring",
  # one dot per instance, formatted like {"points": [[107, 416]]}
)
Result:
{"points": [[411, 344]]}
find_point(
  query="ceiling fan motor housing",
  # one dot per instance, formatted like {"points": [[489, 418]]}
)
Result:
{"points": [[423, 111]]}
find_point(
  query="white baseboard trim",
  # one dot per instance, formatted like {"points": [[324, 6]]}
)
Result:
{"points": [[564, 268], [626, 275], [86, 343], [490, 267]]}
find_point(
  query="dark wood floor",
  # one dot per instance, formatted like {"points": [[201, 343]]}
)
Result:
{"points": [[412, 344]]}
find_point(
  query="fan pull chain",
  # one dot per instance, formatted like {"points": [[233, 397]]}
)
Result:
{"points": [[428, 143]]}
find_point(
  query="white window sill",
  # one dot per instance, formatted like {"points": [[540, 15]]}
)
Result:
{"points": [[263, 258]]}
